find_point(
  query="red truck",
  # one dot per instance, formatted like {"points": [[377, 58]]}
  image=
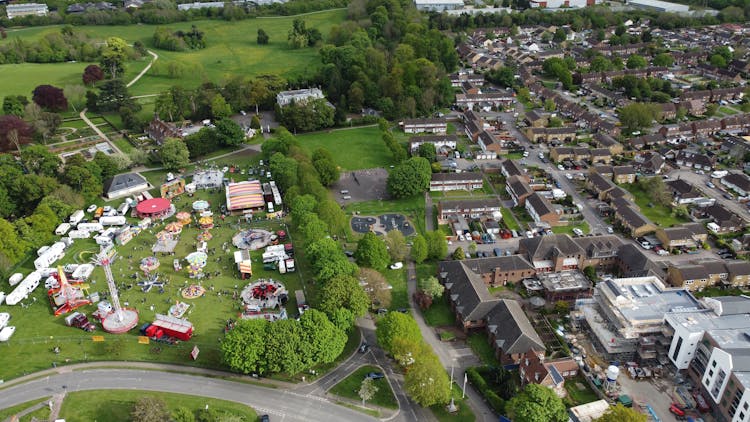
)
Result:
{"points": [[79, 320]]}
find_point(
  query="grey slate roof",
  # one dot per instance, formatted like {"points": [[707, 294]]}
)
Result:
{"points": [[122, 182], [512, 329]]}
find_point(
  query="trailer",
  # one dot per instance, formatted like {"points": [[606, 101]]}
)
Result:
{"points": [[123, 209], [76, 217], [15, 279], [62, 229], [116, 220], [178, 328], [50, 256], [90, 227], [79, 234], [79, 320], [289, 263], [24, 288], [282, 266]]}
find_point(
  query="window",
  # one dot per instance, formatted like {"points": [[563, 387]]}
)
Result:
{"points": [[677, 349], [735, 403], [713, 364], [710, 373]]}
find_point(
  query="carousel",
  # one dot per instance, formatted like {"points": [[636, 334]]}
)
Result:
{"points": [[264, 299], [196, 262], [193, 291], [252, 239], [175, 228], [201, 206], [184, 218], [206, 222], [204, 236], [149, 264]]}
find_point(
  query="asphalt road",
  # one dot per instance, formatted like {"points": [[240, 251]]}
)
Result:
{"points": [[279, 404], [700, 181]]}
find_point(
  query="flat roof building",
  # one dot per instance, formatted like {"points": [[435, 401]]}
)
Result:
{"points": [[659, 6], [26, 9], [438, 5]]}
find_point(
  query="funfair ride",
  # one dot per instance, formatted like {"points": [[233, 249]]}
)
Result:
{"points": [[121, 319]]}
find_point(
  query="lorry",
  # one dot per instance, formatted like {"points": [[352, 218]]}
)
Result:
{"points": [[76, 217], [79, 320]]}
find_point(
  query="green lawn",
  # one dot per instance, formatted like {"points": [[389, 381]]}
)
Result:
{"points": [[399, 295], [584, 226], [439, 314], [352, 149], [509, 220], [464, 413], [577, 395], [115, 405], [232, 50], [7, 413], [659, 214], [481, 347], [349, 388], [728, 110]]}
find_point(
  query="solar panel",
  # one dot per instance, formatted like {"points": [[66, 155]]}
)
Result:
{"points": [[556, 377]]}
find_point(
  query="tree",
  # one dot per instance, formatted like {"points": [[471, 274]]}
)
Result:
{"points": [[219, 107], [711, 109], [322, 340], [14, 132], [243, 348], [376, 287], [410, 178], [255, 122], [427, 151], [419, 249], [14, 105], [183, 414], [559, 36], [663, 59], [396, 244], [458, 254], [12, 246], [718, 60], [427, 382], [284, 347], [536, 403], [562, 307], [92, 74], [328, 172], [437, 246], [549, 105], [284, 170], [174, 154], [620, 413], [344, 292], [590, 272], [39, 160], [396, 325], [76, 95], [50, 98], [432, 287], [228, 132], [262, 37], [367, 390], [113, 94], [113, 57], [636, 116], [328, 261], [371, 252], [149, 409], [636, 62]]}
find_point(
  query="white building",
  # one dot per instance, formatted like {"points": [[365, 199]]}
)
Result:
{"points": [[201, 5], [26, 9], [285, 98], [556, 4], [438, 5]]}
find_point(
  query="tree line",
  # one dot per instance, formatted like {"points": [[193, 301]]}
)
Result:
{"points": [[167, 39], [164, 12]]}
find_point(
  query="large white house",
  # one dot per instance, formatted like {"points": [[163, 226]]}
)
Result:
{"points": [[26, 9], [285, 98]]}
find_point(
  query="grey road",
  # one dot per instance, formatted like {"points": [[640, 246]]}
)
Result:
{"points": [[281, 405]]}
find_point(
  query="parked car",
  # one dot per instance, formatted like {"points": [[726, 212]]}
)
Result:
{"points": [[375, 375], [610, 230], [91, 208], [364, 348], [265, 418], [710, 185], [577, 231], [560, 167]]}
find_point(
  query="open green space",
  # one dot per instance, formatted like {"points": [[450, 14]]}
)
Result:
{"points": [[352, 149], [349, 388], [728, 111], [116, 405], [509, 220], [464, 413], [399, 295], [661, 215], [232, 50], [482, 348], [439, 314], [584, 226], [7, 413], [27, 76], [579, 395]]}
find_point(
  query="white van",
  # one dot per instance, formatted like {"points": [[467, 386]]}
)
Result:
{"points": [[345, 192]]}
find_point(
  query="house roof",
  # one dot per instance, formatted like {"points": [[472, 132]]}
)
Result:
{"points": [[635, 263], [600, 152], [470, 204], [677, 233], [680, 186], [691, 271], [456, 177], [123, 182], [541, 205], [512, 168], [467, 290], [519, 186], [541, 247], [512, 329], [598, 246], [738, 267], [600, 183], [739, 180], [623, 170], [631, 216]]}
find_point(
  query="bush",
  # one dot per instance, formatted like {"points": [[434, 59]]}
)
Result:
{"points": [[477, 380]]}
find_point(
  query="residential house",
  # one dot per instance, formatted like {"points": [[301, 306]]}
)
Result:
{"points": [[489, 99], [667, 111], [159, 130], [646, 141], [468, 181], [510, 332], [510, 168], [439, 126], [600, 156], [534, 369], [599, 185], [739, 273], [706, 127], [683, 191], [26, 9], [699, 274], [690, 235], [600, 251], [623, 174], [489, 144], [632, 261], [604, 140], [695, 160], [469, 208], [723, 220], [518, 189], [444, 144], [631, 219], [736, 123], [737, 182], [552, 253], [541, 210], [536, 118], [299, 96], [469, 298]]}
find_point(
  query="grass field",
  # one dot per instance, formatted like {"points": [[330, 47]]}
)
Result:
{"points": [[577, 395], [349, 388], [659, 214], [481, 347], [7, 413], [399, 295], [584, 226], [464, 413], [348, 146], [509, 220], [116, 405], [232, 50], [413, 208]]}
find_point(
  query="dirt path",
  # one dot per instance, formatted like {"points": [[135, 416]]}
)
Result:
{"points": [[145, 69]]}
